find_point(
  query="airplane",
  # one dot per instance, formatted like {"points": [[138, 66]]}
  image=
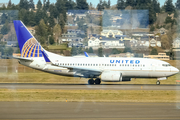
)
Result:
{"points": [[97, 69]]}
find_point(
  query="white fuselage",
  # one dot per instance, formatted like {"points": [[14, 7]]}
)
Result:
{"points": [[129, 67]]}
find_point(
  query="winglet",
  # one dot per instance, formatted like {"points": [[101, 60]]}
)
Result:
{"points": [[86, 54], [45, 57]]}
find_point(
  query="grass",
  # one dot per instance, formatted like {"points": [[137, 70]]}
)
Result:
{"points": [[28, 75], [89, 95], [58, 47]]}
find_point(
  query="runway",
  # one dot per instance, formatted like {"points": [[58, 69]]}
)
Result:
{"points": [[86, 86], [91, 110]]}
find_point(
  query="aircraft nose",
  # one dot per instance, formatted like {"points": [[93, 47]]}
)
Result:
{"points": [[176, 70]]}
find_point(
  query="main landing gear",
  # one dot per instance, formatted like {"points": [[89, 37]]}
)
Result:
{"points": [[96, 81], [158, 82]]}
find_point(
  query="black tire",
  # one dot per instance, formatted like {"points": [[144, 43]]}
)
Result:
{"points": [[90, 81], [98, 81]]}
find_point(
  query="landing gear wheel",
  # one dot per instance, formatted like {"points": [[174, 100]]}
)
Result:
{"points": [[97, 81], [91, 81], [158, 83]]}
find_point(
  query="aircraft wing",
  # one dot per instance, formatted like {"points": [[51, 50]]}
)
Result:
{"points": [[80, 69]]}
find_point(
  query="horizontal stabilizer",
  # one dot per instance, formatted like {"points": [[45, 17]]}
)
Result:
{"points": [[21, 58]]}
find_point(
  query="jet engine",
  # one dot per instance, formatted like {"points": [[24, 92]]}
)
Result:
{"points": [[111, 76]]}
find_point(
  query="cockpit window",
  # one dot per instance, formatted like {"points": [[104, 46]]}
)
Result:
{"points": [[166, 65]]}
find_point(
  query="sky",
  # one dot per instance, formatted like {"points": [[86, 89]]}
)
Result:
{"points": [[94, 2]]}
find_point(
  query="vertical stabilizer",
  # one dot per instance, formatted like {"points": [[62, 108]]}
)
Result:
{"points": [[29, 46]]}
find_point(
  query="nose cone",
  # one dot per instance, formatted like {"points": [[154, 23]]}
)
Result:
{"points": [[175, 70]]}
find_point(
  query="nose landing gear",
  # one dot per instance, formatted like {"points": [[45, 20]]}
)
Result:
{"points": [[158, 82]]}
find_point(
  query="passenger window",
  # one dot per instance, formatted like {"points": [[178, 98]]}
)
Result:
{"points": [[96, 64], [99, 64]]}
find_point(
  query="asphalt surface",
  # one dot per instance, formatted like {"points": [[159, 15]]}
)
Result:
{"points": [[91, 110], [88, 87]]}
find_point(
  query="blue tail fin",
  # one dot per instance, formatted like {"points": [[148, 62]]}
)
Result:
{"points": [[29, 46]]}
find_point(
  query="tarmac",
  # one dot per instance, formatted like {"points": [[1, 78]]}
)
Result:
{"points": [[89, 110], [88, 87]]}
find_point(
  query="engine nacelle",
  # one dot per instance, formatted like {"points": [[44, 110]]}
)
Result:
{"points": [[111, 76], [126, 79]]}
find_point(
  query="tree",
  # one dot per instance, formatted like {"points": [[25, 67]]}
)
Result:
{"points": [[115, 51], [5, 29], [90, 50], [120, 5], [3, 18], [8, 51], [41, 30], [109, 4], [31, 19], [130, 3], [31, 4], [53, 10], [70, 4], [165, 42], [82, 5], [24, 4], [152, 15], [62, 22], [100, 52], [51, 40], [47, 5], [127, 49], [57, 32], [74, 51], [169, 7], [9, 4], [177, 4], [154, 51], [100, 6], [51, 21], [156, 6], [106, 19], [39, 5]]}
